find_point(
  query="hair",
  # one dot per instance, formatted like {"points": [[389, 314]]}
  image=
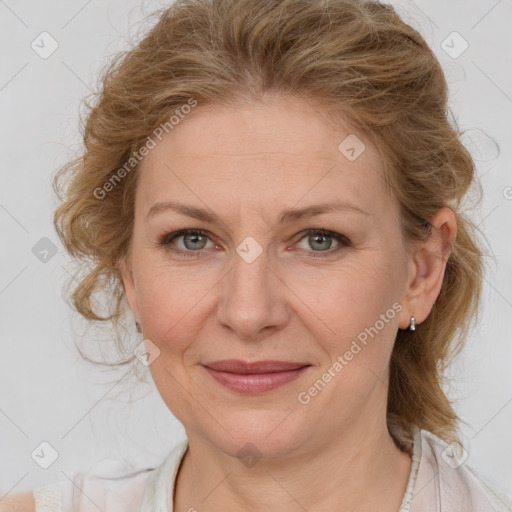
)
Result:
{"points": [[358, 60]]}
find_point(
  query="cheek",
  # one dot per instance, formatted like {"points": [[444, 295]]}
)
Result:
{"points": [[170, 301], [358, 302], [173, 306]]}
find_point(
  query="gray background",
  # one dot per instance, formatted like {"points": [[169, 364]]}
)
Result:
{"points": [[48, 394]]}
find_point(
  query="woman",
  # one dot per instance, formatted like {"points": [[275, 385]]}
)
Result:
{"points": [[274, 188]]}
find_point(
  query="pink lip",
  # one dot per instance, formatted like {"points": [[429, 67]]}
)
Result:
{"points": [[254, 377]]}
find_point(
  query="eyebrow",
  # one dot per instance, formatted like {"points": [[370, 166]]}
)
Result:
{"points": [[290, 215]]}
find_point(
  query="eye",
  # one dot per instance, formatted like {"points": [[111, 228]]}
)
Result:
{"points": [[193, 240], [320, 240]]}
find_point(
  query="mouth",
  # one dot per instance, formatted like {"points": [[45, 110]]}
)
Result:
{"points": [[255, 377]]}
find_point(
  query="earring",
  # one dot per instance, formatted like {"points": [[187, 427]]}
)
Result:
{"points": [[138, 327], [412, 327]]}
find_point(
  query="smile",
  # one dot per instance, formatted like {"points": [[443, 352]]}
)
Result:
{"points": [[256, 377]]}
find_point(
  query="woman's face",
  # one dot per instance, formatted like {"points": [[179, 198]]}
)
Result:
{"points": [[258, 284]]}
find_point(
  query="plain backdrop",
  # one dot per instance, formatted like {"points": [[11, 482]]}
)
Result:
{"points": [[47, 393]]}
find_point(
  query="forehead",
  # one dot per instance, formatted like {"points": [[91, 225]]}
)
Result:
{"points": [[282, 150]]}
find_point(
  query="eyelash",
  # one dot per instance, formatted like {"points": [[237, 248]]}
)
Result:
{"points": [[168, 238]]}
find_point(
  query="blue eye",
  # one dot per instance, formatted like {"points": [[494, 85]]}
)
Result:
{"points": [[195, 242], [321, 240]]}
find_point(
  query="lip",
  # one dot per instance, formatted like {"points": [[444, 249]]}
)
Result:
{"points": [[255, 377]]}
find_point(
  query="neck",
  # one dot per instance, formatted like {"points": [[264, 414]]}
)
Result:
{"points": [[360, 469]]}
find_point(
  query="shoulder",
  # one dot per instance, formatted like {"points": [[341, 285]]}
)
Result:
{"points": [[112, 485], [445, 475], [109, 484], [500, 501], [19, 502]]}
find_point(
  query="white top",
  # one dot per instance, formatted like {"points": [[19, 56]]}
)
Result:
{"points": [[439, 481]]}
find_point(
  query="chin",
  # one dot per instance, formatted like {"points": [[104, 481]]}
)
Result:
{"points": [[271, 434]]}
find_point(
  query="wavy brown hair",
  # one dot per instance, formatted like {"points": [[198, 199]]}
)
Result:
{"points": [[356, 59]]}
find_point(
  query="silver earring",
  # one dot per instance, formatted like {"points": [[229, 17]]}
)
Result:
{"points": [[412, 327]]}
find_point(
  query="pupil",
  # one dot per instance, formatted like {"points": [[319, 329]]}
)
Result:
{"points": [[315, 238], [195, 238]]}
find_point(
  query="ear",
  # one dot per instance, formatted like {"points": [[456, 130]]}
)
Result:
{"points": [[125, 270], [427, 266]]}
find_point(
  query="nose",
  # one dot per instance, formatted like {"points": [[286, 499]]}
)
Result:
{"points": [[253, 299]]}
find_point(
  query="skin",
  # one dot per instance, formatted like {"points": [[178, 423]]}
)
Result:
{"points": [[19, 502], [295, 302]]}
